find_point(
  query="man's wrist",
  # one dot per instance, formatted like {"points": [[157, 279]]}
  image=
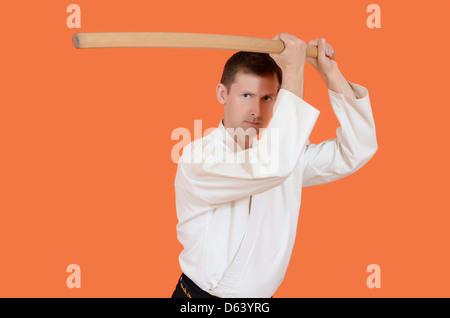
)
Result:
{"points": [[293, 82], [336, 82], [332, 77], [295, 88]]}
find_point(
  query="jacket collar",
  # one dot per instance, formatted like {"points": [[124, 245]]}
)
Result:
{"points": [[229, 140]]}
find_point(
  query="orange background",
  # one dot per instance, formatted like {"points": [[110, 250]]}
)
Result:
{"points": [[86, 175]]}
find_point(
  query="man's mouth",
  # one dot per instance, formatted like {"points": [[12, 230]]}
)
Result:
{"points": [[253, 123]]}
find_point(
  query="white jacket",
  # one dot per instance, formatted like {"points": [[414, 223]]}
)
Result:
{"points": [[238, 210]]}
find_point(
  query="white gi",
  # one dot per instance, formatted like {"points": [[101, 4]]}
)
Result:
{"points": [[238, 220]]}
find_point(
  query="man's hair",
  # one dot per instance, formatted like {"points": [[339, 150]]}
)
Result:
{"points": [[250, 63]]}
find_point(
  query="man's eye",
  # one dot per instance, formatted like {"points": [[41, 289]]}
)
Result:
{"points": [[246, 95], [267, 98]]}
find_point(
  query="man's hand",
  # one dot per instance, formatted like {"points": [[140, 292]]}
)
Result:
{"points": [[292, 62], [328, 68], [323, 64]]}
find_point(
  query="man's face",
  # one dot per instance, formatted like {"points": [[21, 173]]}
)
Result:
{"points": [[249, 102]]}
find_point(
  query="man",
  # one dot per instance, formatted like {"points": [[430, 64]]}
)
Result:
{"points": [[238, 217]]}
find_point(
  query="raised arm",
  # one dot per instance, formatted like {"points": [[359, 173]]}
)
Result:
{"points": [[356, 141]]}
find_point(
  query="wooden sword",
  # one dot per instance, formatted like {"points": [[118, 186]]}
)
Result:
{"points": [[182, 40]]}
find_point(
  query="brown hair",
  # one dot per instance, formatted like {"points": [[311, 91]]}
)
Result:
{"points": [[249, 62]]}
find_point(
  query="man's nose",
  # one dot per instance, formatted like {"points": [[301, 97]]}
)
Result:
{"points": [[256, 108]]}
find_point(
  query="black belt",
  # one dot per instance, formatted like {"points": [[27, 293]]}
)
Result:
{"points": [[191, 290]]}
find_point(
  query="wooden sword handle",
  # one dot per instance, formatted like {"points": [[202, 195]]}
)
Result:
{"points": [[182, 40]]}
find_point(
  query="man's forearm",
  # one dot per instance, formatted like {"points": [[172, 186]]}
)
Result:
{"points": [[337, 83], [293, 82]]}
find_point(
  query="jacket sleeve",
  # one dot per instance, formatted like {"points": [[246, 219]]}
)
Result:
{"points": [[355, 144], [254, 170]]}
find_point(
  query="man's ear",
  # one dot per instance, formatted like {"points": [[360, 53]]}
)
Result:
{"points": [[221, 93]]}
